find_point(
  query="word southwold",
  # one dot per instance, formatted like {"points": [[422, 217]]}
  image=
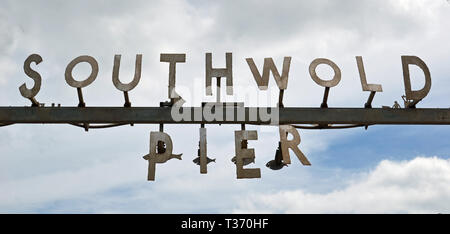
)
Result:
{"points": [[160, 142]]}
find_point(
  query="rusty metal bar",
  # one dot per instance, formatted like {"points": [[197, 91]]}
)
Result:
{"points": [[162, 115]]}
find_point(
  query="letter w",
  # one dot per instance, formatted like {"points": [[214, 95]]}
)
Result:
{"points": [[263, 81]]}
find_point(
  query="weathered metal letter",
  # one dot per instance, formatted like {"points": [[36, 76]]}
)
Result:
{"points": [[159, 153], [80, 84], [269, 65], [30, 93], [362, 77], [244, 153], [415, 95], [219, 72], [172, 59], [325, 83], [292, 144], [137, 74]]}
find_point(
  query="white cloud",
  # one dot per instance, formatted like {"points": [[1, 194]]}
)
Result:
{"points": [[417, 186], [31, 193]]}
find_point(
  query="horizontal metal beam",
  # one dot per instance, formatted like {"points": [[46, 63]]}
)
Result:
{"points": [[288, 115]]}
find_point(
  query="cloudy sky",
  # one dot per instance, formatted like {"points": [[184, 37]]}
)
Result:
{"points": [[385, 169]]}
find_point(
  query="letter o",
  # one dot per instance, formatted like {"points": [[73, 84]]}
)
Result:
{"points": [[80, 84], [325, 83]]}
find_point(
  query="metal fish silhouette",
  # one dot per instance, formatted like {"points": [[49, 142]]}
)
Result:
{"points": [[246, 161], [277, 163], [177, 156], [208, 160]]}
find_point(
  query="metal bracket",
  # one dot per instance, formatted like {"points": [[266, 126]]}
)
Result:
{"points": [[280, 98], [166, 104], [82, 104], [218, 89], [86, 127], [368, 104], [413, 103], [34, 102], [410, 103], [127, 102], [127, 99], [325, 98], [80, 98]]}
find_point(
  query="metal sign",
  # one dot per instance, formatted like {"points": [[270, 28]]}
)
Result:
{"points": [[287, 119]]}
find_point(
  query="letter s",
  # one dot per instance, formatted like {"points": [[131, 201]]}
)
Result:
{"points": [[30, 93]]}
